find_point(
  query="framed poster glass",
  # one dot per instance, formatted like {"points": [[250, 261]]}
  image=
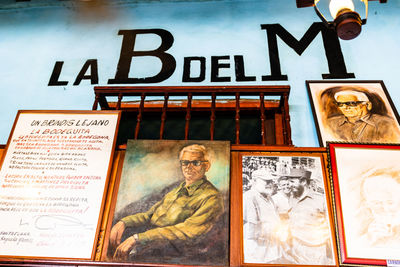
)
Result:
{"points": [[171, 204], [53, 183], [285, 209], [366, 191]]}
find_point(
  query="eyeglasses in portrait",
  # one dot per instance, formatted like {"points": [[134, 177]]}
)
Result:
{"points": [[353, 111], [171, 204]]}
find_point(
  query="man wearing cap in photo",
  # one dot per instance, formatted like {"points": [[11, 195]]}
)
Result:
{"points": [[358, 121], [260, 219], [308, 222]]}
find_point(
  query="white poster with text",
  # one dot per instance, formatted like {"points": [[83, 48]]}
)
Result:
{"points": [[53, 182]]}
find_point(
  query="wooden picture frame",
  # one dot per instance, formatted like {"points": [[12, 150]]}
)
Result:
{"points": [[353, 111], [365, 179], [151, 177], [53, 178], [285, 224]]}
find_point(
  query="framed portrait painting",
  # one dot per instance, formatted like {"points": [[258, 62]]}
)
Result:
{"points": [[366, 193], [353, 111], [171, 204], [286, 216]]}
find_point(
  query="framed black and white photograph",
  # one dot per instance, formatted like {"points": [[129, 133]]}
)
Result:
{"points": [[285, 211]]}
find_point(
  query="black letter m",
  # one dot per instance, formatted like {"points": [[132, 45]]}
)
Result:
{"points": [[333, 52]]}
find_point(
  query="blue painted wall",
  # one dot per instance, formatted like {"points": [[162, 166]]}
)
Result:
{"points": [[34, 36]]}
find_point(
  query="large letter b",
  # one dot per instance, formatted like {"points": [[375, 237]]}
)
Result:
{"points": [[127, 53]]}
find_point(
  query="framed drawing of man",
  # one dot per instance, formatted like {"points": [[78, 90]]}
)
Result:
{"points": [[353, 111], [366, 195], [286, 217], [171, 204]]}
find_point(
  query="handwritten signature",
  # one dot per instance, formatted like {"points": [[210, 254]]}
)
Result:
{"points": [[52, 222]]}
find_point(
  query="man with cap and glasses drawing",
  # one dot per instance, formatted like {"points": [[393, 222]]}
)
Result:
{"points": [[359, 120]]}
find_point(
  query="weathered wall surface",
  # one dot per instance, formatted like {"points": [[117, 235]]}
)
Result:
{"points": [[53, 53]]}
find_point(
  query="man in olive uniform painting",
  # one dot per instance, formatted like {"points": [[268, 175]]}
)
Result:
{"points": [[181, 218]]}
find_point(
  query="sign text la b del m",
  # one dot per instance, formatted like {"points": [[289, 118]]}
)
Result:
{"points": [[89, 71]]}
